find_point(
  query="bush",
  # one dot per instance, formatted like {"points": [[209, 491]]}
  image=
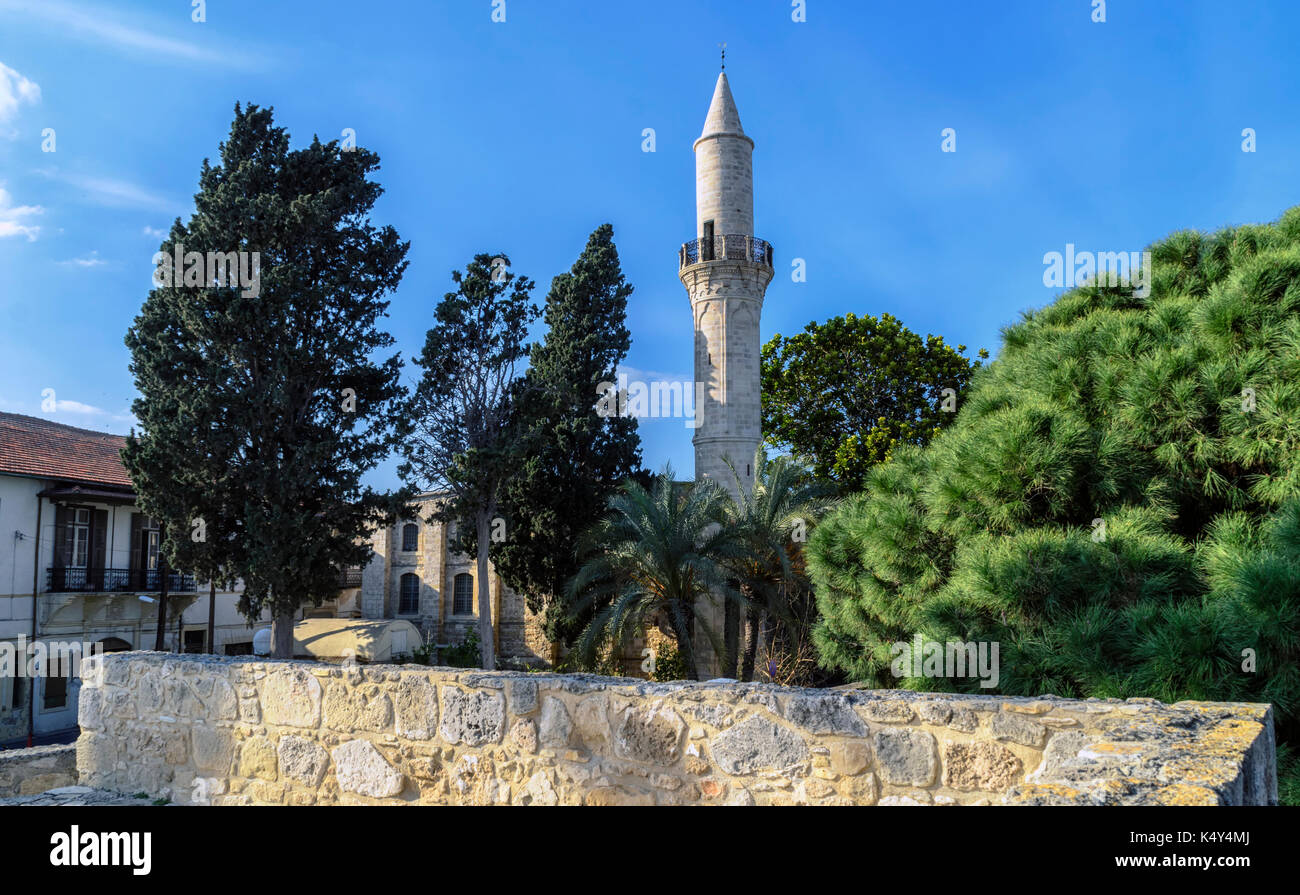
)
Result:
{"points": [[1117, 503], [466, 654]]}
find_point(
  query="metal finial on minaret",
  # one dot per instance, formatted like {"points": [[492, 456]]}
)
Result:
{"points": [[723, 45]]}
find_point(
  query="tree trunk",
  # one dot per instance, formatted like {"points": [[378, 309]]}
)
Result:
{"points": [[487, 645], [730, 638], [751, 644], [160, 637], [685, 646], [212, 618], [282, 636]]}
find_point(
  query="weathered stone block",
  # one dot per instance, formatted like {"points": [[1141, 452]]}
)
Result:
{"points": [[651, 734], [556, 726], [1018, 729], [988, 766], [291, 697], [906, 757], [360, 768], [365, 708], [523, 696], [257, 758], [850, 757], [758, 744], [302, 760], [474, 718], [826, 714], [417, 708], [524, 735]]}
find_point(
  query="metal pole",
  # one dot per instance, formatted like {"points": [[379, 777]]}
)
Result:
{"points": [[36, 571]]}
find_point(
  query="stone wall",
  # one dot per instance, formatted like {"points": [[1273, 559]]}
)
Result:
{"points": [[235, 731], [25, 772]]}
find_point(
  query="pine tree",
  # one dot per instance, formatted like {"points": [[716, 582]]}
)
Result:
{"points": [[456, 428], [1117, 503], [568, 459], [261, 405]]}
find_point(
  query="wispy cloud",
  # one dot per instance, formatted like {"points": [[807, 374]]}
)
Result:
{"points": [[105, 28], [154, 232], [12, 217], [112, 191], [76, 414], [92, 260], [91, 413], [15, 90]]}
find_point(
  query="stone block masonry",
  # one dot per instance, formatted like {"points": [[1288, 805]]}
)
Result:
{"points": [[26, 772], [231, 731]]}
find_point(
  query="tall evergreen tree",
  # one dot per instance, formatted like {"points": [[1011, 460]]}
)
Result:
{"points": [[569, 460], [456, 427], [261, 404]]}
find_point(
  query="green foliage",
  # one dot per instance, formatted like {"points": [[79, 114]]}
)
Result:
{"points": [[652, 558], [1117, 503], [669, 665], [1288, 776], [845, 394], [456, 431], [244, 418], [566, 459], [772, 520], [465, 654]]}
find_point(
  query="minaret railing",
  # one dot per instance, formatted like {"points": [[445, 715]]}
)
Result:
{"points": [[727, 247]]}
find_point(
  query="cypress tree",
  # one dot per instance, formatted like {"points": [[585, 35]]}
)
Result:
{"points": [[569, 460], [262, 404], [456, 428]]}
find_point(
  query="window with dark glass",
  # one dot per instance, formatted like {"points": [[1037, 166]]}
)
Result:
{"points": [[410, 537], [56, 693], [463, 595], [409, 603]]}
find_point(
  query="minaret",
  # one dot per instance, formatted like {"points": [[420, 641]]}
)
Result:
{"points": [[725, 270]]}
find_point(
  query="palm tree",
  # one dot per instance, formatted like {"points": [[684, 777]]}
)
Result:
{"points": [[653, 557], [772, 520]]}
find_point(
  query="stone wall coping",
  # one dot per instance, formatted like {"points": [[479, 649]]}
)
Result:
{"points": [[253, 730]]}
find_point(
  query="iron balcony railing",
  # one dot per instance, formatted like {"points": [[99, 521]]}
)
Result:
{"points": [[114, 581], [350, 577], [730, 247]]}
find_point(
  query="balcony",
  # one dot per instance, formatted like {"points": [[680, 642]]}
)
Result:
{"points": [[108, 581], [731, 247], [350, 577]]}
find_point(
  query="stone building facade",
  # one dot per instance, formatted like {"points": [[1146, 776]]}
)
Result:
{"points": [[79, 569], [415, 573]]}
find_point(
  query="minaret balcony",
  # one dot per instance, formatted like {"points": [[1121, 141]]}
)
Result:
{"points": [[730, 247]]}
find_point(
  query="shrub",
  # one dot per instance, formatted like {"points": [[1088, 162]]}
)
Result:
{"points": [[1117, 503]]}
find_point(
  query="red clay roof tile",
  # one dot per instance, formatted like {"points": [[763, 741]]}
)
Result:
{"points": [[39, 448]]}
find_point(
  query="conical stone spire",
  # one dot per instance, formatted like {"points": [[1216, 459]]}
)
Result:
{"points": [[724, 117]]}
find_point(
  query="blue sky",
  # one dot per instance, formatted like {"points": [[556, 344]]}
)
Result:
{"points": [[522, 136]]}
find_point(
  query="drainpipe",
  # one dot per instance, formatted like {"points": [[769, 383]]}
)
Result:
{"points": [[36, 571], [212, 615]]}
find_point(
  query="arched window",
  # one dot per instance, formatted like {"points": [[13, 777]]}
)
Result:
{"points": [[463, 603], [410, 595], [410, 537]]}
